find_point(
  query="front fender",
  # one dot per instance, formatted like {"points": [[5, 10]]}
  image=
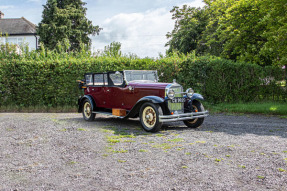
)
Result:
{"points": [[81, 100], [194, 97], [153, 99], [197, 97], [135, 110]]}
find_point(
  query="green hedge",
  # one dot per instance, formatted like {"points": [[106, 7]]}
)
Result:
{"points": [[46, 81], [221, 80]]}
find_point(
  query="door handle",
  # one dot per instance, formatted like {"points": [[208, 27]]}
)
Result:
{"points": [[108, 90]]}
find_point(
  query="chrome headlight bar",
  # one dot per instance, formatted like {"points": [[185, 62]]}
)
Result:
{"points": [[170, 93]]}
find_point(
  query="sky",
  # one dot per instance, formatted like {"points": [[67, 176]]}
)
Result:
{"points": [[139, 25]]}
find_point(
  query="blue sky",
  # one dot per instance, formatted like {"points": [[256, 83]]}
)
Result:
{"points": [[140, 25]]}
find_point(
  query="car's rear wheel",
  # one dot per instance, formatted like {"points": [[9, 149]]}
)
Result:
{"points": [[87, 111], [195, 107], [149, 117]]}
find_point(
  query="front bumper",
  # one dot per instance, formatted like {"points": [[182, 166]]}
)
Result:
{"points": [[182, 116]]}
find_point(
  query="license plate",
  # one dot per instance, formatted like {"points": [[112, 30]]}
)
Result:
{"points": [[178, 100]]}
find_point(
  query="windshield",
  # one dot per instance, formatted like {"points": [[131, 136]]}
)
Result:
{"points": [[141, 75]]}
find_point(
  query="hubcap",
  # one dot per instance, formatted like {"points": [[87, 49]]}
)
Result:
{"points": [[149, 116], [87, 109]]}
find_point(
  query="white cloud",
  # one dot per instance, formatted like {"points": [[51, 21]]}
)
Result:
{"points": [[6, 7], [140, 33], [37, 1], [195, 3]]}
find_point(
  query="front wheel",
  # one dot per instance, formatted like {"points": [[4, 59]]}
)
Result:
{"points": [[149, 117], [87, 111], [195, 107]]}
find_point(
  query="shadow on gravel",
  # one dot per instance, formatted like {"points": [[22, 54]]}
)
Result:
{"points": [[118, 126], [239, 125], [127, 127], [234, 125]]}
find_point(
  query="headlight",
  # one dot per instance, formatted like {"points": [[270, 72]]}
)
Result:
{"points": [[170, 94], [189, 92]]}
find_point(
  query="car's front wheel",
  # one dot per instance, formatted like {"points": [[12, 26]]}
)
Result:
{"points": [[87, 111], [196, 106], [149, 117]]}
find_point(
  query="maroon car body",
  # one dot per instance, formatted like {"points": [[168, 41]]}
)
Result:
{"points": [[123, 97], [139, 94]]}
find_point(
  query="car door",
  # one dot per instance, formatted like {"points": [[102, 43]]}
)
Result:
{"points": [[98, 89], [115, 90]]}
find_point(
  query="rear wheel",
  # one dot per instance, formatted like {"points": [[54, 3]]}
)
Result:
{"points": [[149, 117], [87, 111], [195, 107]]}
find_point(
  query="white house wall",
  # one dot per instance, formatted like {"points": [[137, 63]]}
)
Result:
{"points": [[27, 40]]}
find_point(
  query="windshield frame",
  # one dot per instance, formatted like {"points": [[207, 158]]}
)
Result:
{"points": [[142, 81]]}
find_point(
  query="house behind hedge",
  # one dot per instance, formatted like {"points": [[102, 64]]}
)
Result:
{"points": [[18, 31]]}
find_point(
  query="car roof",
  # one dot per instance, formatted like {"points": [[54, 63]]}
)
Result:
{"points": [[114, 71]]}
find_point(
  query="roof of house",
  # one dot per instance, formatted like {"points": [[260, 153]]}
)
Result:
{"points": [[19, 26]]}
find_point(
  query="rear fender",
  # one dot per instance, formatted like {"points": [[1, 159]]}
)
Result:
{"points": [[81, 101]]}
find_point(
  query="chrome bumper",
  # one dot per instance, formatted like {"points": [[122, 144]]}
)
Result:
{"points": [[182, 116]]}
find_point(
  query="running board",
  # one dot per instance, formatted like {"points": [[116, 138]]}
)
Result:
{"points": [[109, 114]]}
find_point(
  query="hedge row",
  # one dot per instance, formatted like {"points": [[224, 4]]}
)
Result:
{"points": [[52, 82]]}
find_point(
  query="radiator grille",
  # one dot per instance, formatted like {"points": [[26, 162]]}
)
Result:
{"points": [[176, 107]]}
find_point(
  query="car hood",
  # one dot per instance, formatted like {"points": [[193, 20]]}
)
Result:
{"points": [[149, 85]]}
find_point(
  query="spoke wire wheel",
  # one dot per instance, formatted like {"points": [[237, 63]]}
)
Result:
{"points": [[194, 123], [195, 109], [149, 117], [87, 110]]}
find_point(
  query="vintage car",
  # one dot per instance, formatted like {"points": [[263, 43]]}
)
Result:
{"points": [[137, 93]]}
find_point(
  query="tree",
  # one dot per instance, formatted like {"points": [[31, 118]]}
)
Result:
{"points": [[190, 23], [248, 30], [275, 20], [245, 30], [113, 50], [239, 30], [65, 21]]}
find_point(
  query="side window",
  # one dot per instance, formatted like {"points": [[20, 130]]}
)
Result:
{"points": [[89, 79], [98, 80], [117, 79]]}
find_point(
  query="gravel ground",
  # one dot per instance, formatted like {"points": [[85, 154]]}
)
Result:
{"points": [[63, 152]]}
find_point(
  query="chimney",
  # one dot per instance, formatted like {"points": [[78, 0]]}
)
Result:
{"points": [[1, 15]]}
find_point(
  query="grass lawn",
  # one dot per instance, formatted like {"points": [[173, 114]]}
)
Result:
{"points": [[267, 108]]}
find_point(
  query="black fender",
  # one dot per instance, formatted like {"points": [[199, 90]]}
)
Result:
{"points": [[81, 100], [194, 97], [153, 99]]}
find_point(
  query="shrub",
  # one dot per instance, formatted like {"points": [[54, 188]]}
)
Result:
{"points": [[47, 78]]}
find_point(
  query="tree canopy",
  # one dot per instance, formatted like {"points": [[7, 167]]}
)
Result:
{"points": [[65, 21], [245, 30], [113, 50], [190, 22]]}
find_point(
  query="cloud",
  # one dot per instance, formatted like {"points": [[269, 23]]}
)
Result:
{"points": [[140, 33], [195, 3], [6, 7], [37, 1]]}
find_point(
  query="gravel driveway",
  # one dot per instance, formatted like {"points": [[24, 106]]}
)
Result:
{"points": [[63, 152]]}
